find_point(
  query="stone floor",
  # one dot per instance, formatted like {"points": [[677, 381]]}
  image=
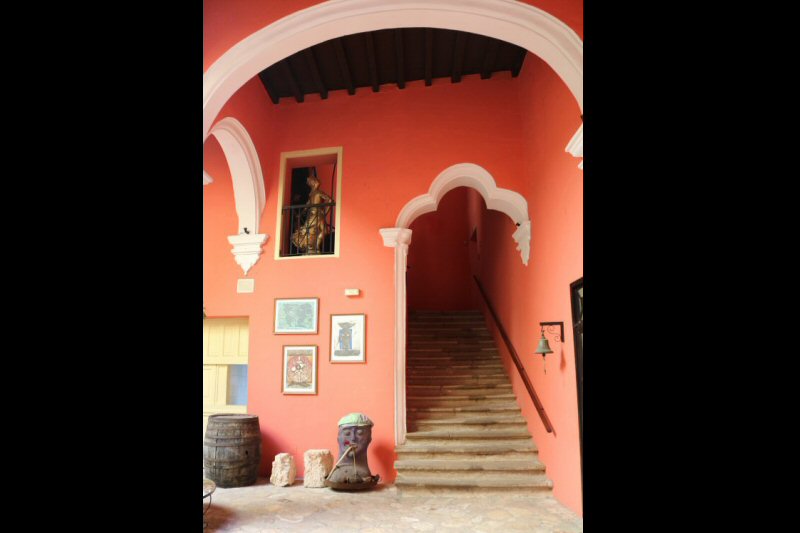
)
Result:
{"points": [[264, 508]]}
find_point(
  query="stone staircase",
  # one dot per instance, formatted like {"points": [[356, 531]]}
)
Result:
{"points": [[465, 429]]}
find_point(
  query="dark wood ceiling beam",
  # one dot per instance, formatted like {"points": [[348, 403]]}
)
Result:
{"points": [[458, 56], [286, 70], [269, 86], [428, 56], [398, 49], [489, 58], [373, 67], [518, 62], [314, 69], [341, 58]]}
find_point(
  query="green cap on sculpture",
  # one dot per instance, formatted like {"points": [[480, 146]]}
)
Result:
{"points": [[355, 419]]}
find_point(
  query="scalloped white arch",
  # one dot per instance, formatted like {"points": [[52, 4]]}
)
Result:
{"points": [[471, 175], [515, 22], [248, 189]]}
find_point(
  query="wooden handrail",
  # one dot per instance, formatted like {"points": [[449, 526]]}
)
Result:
{"points": [[517, 362]]}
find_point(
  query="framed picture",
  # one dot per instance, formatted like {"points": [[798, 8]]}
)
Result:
{"points": [[348, 339], [296, 315], [299, 370]]}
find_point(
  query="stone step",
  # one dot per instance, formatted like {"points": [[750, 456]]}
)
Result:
{"points": [[477, 457], [460, 370], [476, 315], [452, 352], [470, 433], [478, 403], [416, 426], [445, 347], [502, 482], [449, 381], [413, 323], [456, 391], [473, 476], [464, 366], [440, 359], [458, 465], [454, 329], [481, 401], [460, 337], [491, 395], [496, 408], [437, 342], [447, 386], [472, 419], [523, 477], [445, 316]]}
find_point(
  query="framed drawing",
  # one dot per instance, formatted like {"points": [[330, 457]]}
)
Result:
{"points": [[348, 338], [299, 370], [296, 315]]}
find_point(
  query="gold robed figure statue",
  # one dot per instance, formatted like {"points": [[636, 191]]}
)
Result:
{"points": [[310, 235]]}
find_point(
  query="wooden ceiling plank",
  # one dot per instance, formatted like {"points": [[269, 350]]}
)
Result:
{"points": [[428, 56], [398, 48], [518, 62], [489, 58], [269, 86], [373, 67], [458, 56], [283, 65], [341, 58], [315, 75]]}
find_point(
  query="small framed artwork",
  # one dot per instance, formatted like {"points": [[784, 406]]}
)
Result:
{"points": [[296, 315], [299, 370], [348, 339]]}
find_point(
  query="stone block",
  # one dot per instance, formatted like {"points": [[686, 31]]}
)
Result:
{"points": [[283, 470], [318, 464]]}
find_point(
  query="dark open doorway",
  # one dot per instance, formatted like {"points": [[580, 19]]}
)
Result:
{"points": [[576, 297]]}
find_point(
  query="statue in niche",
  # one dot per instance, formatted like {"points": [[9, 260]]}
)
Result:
{"points": [[312, 232], [352, 472]]}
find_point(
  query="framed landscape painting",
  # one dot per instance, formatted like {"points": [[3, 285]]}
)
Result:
{"points": [[296, 315], [348, 339], [299, 370]]}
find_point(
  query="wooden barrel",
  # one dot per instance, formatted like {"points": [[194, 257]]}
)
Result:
{"points": [[232, 450]]}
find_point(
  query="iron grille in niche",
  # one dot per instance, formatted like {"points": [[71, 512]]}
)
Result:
{"points": [[308, 228]]}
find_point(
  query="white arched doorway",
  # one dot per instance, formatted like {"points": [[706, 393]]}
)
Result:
{"points": [[248, 189], [515, 22], [461, 175]]}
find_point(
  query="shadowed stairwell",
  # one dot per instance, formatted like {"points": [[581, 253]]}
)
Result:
{"points": [[465, 429]]}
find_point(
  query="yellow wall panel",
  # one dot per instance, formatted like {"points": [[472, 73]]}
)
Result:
{"points": [[230, 335], [215, 339], [210, 373], [244, 342]]}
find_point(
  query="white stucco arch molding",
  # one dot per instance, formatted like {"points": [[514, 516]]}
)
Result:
{"points": [[248, 189], [471, 175], [509, 20]]}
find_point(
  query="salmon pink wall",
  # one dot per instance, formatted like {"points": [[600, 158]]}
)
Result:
{"points": [[226, 22], [439, 276], [524, 296], [395, 143]]}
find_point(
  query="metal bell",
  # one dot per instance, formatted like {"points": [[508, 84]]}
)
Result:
{"points": [[544, 346]]}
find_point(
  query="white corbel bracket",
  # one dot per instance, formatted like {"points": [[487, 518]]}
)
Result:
{"points": [[247, 249], [522, 236], [575, 146]]}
